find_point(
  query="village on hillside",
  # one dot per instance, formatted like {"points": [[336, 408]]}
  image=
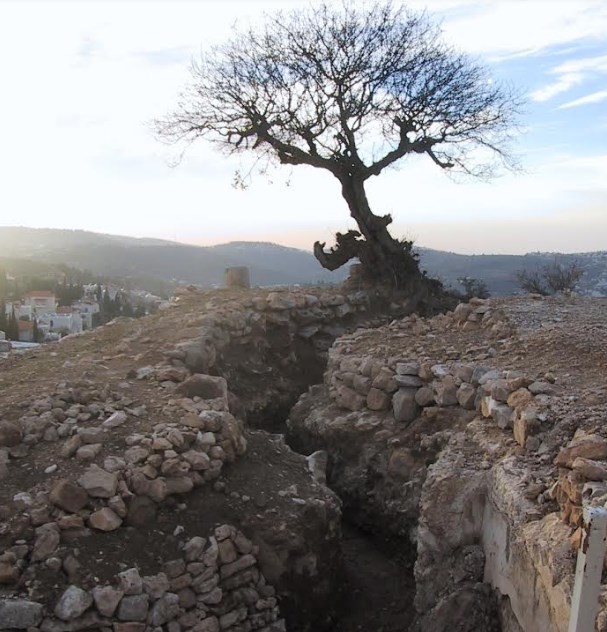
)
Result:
{"points": [[42, 315]]}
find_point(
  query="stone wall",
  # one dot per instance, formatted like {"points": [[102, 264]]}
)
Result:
{"points": [[271, 346], [480, 513], [213, 585]]}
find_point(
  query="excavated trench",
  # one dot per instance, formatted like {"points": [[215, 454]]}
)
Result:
{"points": [[378, 586], [378, 589]]}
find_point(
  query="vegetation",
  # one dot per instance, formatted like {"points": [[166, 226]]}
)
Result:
{"points": [[352, 90], [9, 324], [552, 278], [474, 288]]}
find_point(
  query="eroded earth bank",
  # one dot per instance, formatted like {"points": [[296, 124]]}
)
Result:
{"points": [[431, 478]]}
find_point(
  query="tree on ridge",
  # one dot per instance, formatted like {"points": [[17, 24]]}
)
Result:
{"points": [[353, 91]]}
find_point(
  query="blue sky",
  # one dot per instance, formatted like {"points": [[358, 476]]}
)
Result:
{"points": [[82, 80]]}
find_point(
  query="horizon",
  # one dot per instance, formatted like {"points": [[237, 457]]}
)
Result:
{"points": [[309, 251], [87, 160]]}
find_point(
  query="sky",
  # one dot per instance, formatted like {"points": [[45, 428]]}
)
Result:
{"points": [[81, 82]]}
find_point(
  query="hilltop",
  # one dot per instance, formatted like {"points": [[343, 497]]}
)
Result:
{"points": [[155, 264]]}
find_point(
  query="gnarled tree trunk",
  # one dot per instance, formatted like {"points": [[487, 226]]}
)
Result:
{"points": [[384, 258]]}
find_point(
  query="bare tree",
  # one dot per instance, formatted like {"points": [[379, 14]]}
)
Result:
{"points": [[552, 278], [474, 288], [352, 90]]}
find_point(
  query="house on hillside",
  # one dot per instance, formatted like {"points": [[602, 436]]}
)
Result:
{"points": [[41, 301], [87, 308], [63, 322]]}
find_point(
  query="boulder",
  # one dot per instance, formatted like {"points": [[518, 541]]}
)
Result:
{"points": [[107, 599], [404, 405], [73, 603], [46, 543], [588, 446], [203, 386], [99, 483], [68, 496], [19, 614], [378, 399], [105, 520], [10, 434], [349, 398]]}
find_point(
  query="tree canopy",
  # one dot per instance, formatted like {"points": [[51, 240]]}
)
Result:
{"points": [[351, 89]]}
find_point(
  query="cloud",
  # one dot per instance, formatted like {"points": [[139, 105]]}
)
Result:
{"points": [[589, 64], [564, 84], [571, 74], [595, 97], [506, 28]]}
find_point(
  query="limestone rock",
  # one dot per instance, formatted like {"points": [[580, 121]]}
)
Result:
{"points": [[407, 368], [68, 495], [73, 603], [404, 405], [105, 520], [133, 608], [47, 541], [502, 414], [378, 400], [10, 434], [115, 419], [20, 614], [106, 599], [446, 392], [526, 424], [520, 397], [466, 395], [156, 586], [317, 464], [280, 301], [98, 483], [424, 396], [408, 381], [203, 386], [591, 470], [349, 398], [589, 447], [384, 381], [130, 582]]}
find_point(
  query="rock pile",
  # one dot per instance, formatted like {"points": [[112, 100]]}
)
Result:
{"points": [[582, 479], [403, 385], [214, 585]]}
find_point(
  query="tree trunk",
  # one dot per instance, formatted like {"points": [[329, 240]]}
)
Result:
{"points": [[384, 258]]}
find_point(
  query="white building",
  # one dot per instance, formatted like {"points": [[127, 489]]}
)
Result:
{"points": [[41, 302], [61, 323]]}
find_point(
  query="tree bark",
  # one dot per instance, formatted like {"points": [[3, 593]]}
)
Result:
{"points": [[384, 258]]}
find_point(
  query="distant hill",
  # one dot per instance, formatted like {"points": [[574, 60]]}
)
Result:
{"points": [[149, 261], [128, 257]]}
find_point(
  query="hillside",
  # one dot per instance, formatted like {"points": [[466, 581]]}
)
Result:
{"points": [[145, 262], [109, 255]]}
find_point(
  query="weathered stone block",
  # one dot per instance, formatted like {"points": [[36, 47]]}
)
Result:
{"points": [[404, 405]]}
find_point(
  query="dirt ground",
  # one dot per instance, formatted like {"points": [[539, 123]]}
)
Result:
{"points": [[564, 337]]}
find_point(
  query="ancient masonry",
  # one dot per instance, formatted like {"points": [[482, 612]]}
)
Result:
{"points": [[215, 584], [486, 420]]}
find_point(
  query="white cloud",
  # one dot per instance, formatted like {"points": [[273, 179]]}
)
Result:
{"points": [[570, 74], [586, 64], [564, 84], [595, 97], [524, 27]]}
